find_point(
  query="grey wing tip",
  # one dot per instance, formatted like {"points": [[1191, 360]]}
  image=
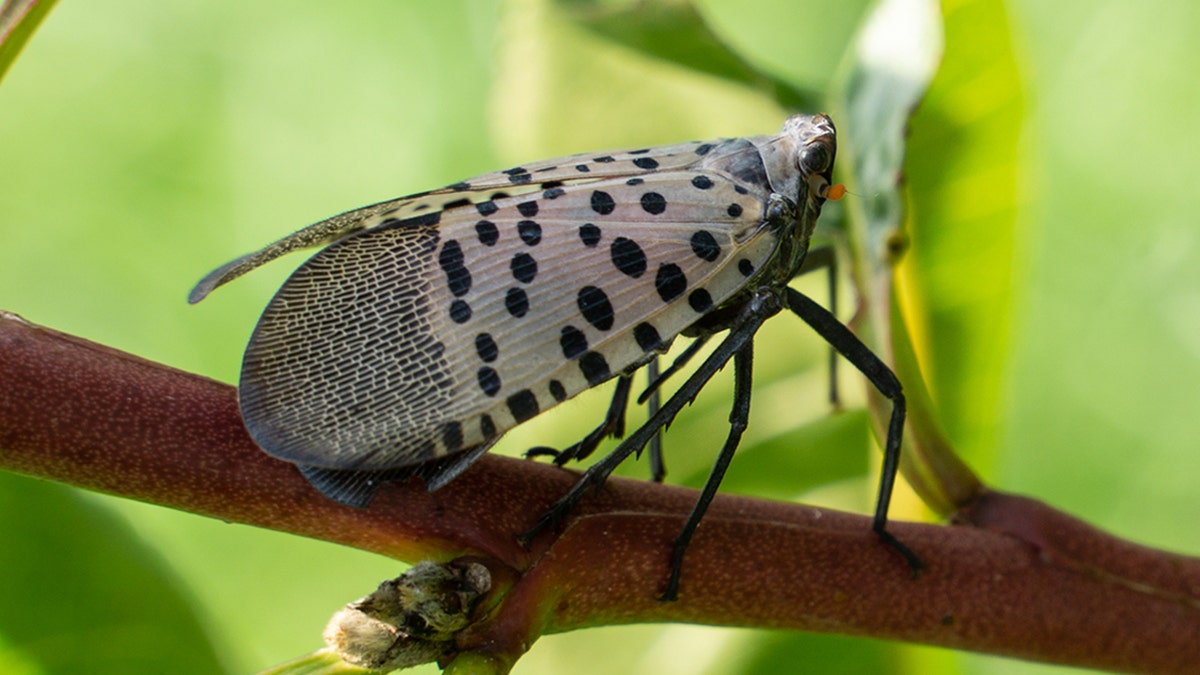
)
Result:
{"points": [[355, 489], [219, 277], [201, 290]]}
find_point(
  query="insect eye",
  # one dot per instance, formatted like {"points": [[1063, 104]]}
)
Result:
{"points": [[816, 158]]}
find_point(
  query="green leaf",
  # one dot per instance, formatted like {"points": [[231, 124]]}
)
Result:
{"points": [[895, 57], [82, 593], [827, 450], [562, 88], [962, 186], [674, 31], [18, 21]]}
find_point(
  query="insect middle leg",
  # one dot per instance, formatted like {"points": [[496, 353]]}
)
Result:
{"points": [[758, 309], [743, 380]]}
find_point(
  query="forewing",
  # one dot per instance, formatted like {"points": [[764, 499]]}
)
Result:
{"points": [[528, 178], [414, 339]]}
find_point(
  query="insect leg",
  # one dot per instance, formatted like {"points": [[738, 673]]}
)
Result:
{"points": [[679, 362], [658, 468], [825, 258], [613, 425], [743, 374], [884, 380], [759, 308]]}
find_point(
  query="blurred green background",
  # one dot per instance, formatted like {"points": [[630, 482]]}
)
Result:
{"points": [[1054, 276]]}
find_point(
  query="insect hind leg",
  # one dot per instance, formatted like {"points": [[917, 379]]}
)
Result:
{"points": [[613, 425], [884, 380]]}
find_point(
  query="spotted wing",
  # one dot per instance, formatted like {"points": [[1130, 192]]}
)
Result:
{"points": [[414, 340], [427, 206]]}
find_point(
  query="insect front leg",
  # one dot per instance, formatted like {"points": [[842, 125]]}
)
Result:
{"points": [[884, 380]]}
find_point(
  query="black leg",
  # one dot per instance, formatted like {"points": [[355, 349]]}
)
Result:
{"points": [[679, 362], [743, 374], [658, 467], [613, 425], [762, 306], [862, 358]]}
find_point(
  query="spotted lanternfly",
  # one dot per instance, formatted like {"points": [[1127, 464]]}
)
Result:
{"points": [[431, 324]]}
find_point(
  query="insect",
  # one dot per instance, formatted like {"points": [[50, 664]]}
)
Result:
{"points": [[429, 325]]}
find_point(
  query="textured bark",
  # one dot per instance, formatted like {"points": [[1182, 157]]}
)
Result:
{"points": [[1026, 581]]}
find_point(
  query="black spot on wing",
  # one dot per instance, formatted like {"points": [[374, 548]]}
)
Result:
{"points": [[524, 268], [485, 346], [451, 260], [487, 427], [670, 282], [602, 203], [489, 380], [594, 368], [452, 436], [487, 231], [628, 257], [595, 307], [529, 232], [654, 203], [523, 405], [460, 311], [518, 175], [431, 218], [589, 234], [705, 245], [647, 336], [516, 302], [573, 342]]}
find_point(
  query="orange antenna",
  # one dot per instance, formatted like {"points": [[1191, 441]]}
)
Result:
{"points": [[836, 191]]}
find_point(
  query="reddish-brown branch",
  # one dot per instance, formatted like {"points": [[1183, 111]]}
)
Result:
{"points": [[1032, 583]]}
